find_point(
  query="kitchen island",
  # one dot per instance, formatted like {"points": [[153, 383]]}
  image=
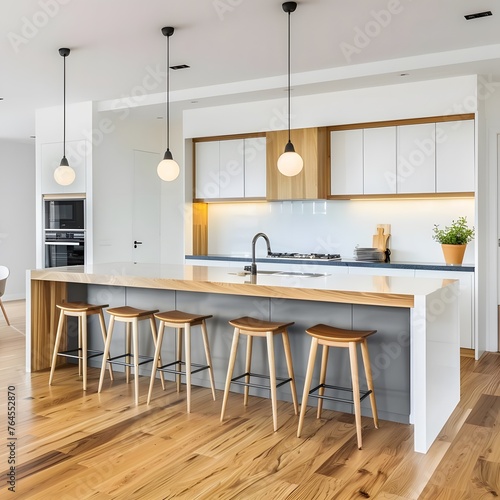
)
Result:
{"points": [[415, 353]]}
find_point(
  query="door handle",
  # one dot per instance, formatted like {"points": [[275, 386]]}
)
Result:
{"points": [[137, 243]]}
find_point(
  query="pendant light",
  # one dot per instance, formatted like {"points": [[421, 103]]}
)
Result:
{"points": [[168, 169], [290, 163], [64, 174]]}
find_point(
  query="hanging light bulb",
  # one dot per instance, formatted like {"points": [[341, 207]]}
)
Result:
{"points": [[168, 169], [290, 163], [64, 174]]}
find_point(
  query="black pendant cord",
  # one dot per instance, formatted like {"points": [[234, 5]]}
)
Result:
{"points": [[168, 93], [289, 71], [64, 107]]}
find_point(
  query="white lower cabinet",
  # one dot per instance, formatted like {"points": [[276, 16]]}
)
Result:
{"points": [[466, 301]]}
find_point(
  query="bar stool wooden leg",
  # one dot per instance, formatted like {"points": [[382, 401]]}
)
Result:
{"points": [[156, 360], [105, 355], [135, 340], [187, 335], [56, 345], [369, 381], [178, 366], [288, 357], [307, 384], [80, 322], [230, 369], [154, 333], [103, 333], [355, 390], [322, 378], [128, 350], [272, 376], [248, 368], [83, 332], [209, 358]]}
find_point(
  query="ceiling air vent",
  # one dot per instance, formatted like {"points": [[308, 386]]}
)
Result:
{"points": [[179, 66], [478, 14]]}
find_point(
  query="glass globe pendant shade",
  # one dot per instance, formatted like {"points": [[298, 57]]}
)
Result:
{"points": [[290, 163], [168, 169], [64, 175]]}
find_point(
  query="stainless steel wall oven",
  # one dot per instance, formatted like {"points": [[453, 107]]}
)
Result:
{"points": [[64, 232]]}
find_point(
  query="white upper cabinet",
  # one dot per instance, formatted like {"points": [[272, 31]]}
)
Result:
{"points": [[255, 167], [416, 152], [423, 158], [346, 157], [455, 156], [230, 169], [379, 160], [207, 169]]}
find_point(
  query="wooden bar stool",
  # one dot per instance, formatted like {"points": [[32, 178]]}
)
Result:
{"points": [[182, 321], [81, 311], [329, 336], [131, 317], [252, 327]]}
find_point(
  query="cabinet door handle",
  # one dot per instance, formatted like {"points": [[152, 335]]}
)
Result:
{"points": [[137, 243]]}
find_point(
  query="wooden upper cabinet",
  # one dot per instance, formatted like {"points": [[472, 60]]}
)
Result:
{"points": [[312, 182]]}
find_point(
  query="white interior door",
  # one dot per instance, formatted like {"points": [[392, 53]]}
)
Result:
{"points": [[146, 208]]}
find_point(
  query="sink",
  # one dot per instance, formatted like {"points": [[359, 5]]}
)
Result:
{"points": [[299, 274], [282, 273]]}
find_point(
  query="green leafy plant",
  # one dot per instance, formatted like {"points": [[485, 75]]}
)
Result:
{"points": [[456, 234]]}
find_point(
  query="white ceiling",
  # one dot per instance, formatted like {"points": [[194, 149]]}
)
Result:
{"points": [[236, 49]]}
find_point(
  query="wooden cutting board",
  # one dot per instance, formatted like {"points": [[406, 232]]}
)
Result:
{"points": [[380, 239]]}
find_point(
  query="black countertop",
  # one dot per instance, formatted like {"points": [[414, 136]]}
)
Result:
{"points": [[428, 266]]}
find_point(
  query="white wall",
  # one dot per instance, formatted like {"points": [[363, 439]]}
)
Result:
{"points": [[410, 100], [337, 226], [17, 219], [112, 185]]}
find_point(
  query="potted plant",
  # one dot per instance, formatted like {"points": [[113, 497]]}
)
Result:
{"points": [[454, 239]]}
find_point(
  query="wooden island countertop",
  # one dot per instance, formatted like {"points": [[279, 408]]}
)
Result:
{"points": [[392, 291]]}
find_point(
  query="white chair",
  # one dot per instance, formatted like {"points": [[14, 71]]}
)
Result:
{"points": [[4, 274]]}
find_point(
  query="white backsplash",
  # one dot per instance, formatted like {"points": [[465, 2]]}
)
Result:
{"points": [[336, 226]]}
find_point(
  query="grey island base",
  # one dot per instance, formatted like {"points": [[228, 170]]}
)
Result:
{"points": [[415, 353]]}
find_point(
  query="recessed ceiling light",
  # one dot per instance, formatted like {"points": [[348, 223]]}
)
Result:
{"points": [[179, 66], [194, 102], [478, 14], [32, 136], [404, 74]]}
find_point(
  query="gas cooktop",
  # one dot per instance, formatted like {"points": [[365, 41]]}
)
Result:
{"points": [[305, 256]]}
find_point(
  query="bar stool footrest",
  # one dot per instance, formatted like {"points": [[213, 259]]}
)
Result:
{"points": [[312, 393], [236, 380], [147, 359], [69, 353], [197, 366]]}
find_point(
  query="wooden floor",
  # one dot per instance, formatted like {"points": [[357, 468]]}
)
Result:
{"points": [[76, 445]]}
